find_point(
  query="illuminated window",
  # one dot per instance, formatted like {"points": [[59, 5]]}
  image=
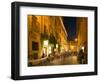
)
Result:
{"points": [[45, 43]]}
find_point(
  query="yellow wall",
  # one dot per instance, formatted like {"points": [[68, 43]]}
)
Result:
{"points": [[33, 34], [82, 31], [51, 25]]}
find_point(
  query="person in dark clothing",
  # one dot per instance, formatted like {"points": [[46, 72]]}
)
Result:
{"points": [[43, 55], [81, 56]]}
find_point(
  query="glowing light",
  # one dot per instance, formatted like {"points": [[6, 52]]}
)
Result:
{"points": [[45, 43], [55, 49], [49, 50], [62, 49], [72, 47], [44, 50], [82, 48], [56, 45], [76, 39]]}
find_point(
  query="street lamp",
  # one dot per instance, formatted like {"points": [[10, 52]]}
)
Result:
{"points": [[76, 39], [82, 48]]}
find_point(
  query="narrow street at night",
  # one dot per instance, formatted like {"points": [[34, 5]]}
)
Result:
{"points": [[57, 40]]}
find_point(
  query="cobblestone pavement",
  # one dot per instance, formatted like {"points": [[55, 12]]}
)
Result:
{"points": [[65, 60]]}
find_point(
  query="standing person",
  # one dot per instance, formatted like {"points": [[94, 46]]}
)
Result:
{"points": [[81, 56], [43, 55], [85, 55]]}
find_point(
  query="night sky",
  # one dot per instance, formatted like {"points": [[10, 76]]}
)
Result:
{"points": [[70, 26]]}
